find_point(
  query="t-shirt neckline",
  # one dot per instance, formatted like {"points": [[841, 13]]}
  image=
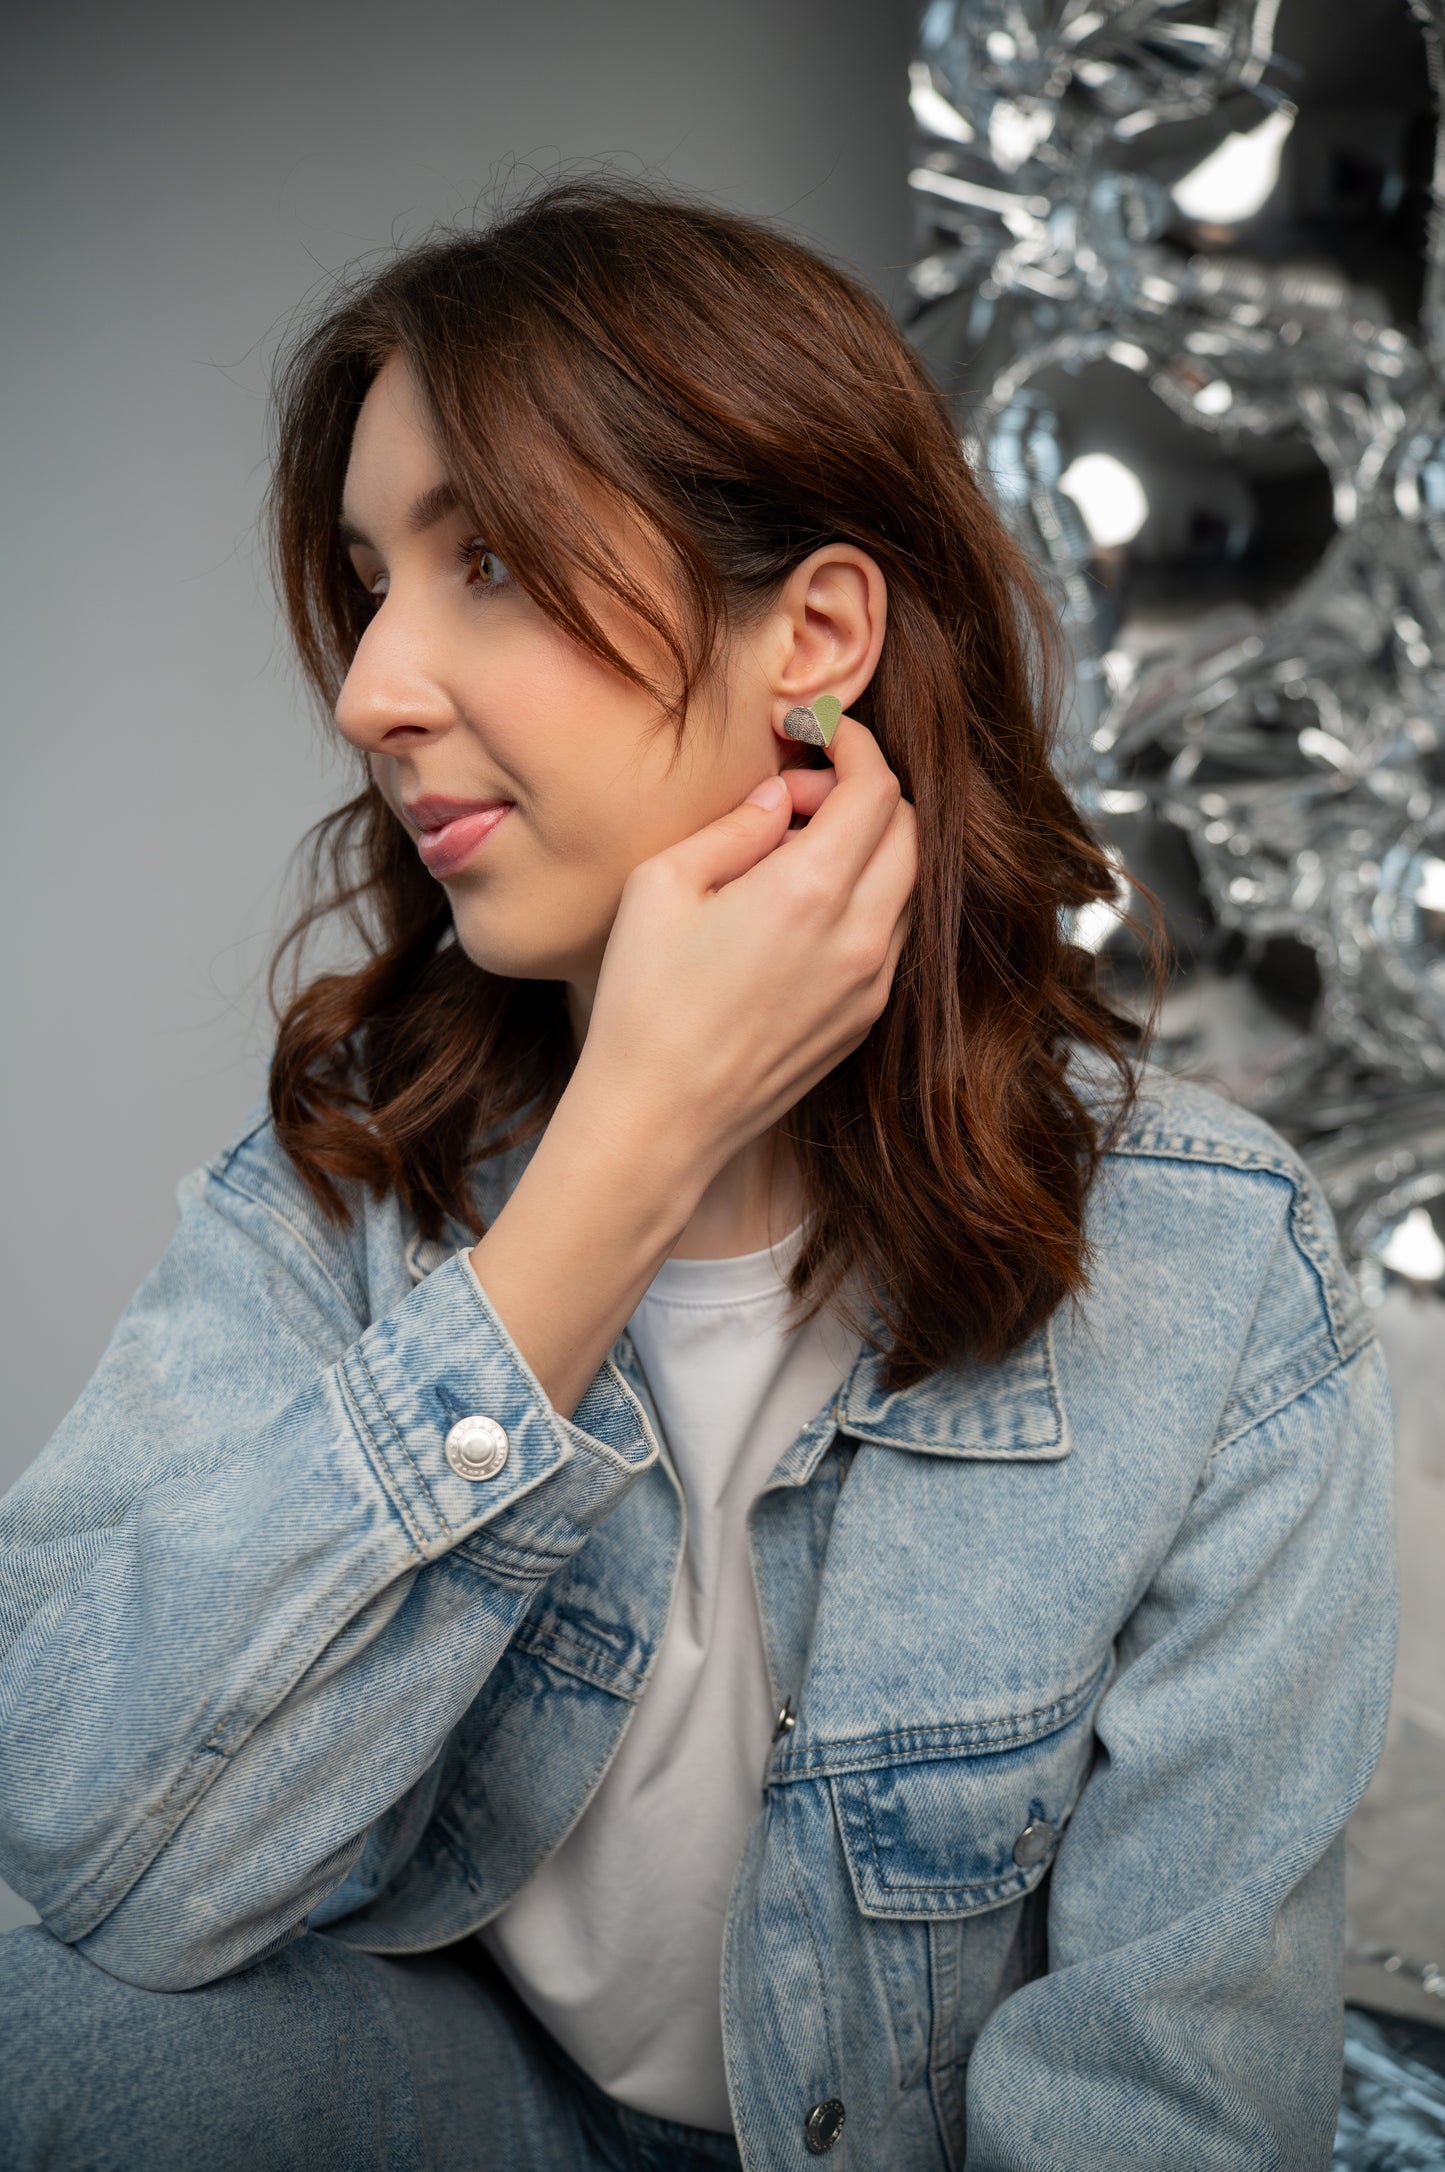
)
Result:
{"points": [[726, 1281]]}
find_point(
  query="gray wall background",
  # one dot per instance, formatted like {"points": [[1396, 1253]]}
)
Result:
{"points": [[178, 180]]}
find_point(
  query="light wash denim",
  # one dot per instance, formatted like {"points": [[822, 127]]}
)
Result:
{"points": [[322, 2059], [1089, 1653]]}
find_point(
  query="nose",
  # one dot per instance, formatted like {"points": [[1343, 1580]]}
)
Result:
{"points": [[391, 700]]}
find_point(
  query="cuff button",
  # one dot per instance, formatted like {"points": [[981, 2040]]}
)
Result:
{"points": [[1033, 1844], [476, 1447]]}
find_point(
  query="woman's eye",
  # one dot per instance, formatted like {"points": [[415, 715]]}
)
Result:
{"points": [[373, 586], [484, 568]]}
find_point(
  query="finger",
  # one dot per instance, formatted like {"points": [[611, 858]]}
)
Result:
{"points": [[853, 745], [899, 936], [850, 820], [809, 788], [885, 887]]}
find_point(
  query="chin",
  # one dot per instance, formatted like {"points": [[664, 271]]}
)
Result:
{"points": [[492, 956], [489, 948]]}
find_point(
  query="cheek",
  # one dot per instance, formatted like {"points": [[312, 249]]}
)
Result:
{"points": [[539, 709], [583, 749]]}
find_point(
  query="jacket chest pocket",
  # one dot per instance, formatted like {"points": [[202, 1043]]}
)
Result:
{"points": [[927, 1835]]}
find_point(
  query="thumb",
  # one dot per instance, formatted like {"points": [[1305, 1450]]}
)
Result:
{"points": [[747, 833]]}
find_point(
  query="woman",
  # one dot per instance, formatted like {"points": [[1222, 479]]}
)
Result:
{"points": [[727, 1533]]}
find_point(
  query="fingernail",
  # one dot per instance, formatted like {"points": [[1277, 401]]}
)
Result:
{"points": [[770, 793]]}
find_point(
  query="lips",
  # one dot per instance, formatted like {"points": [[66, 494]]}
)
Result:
{"points": [[432, 809], [449, 839]]}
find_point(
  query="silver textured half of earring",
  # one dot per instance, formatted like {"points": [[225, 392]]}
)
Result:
{"points": [[815, 724]]}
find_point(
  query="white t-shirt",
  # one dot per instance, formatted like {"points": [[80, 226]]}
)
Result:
{"points": [[615, 1942]]}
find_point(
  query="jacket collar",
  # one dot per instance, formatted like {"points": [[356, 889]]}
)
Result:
{"points": [[1011, 1407]]}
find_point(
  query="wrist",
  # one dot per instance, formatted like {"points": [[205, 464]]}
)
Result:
{"points": [[636, 1139]]}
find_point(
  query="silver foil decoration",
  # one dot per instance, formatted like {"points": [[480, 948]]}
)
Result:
{"points": [[1263, 744]]}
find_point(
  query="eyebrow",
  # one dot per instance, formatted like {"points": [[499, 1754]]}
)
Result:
{"points": [[432, 506]]}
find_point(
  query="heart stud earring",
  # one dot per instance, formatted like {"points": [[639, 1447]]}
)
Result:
{"points": [[815, 724]]}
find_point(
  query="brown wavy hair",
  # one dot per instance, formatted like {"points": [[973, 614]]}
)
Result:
{"points": [[752, 401]]}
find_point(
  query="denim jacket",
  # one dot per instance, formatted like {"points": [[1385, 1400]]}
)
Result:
{"points": [[1087, 1655]]}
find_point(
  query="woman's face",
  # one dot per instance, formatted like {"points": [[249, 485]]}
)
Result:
{"points": [[462, 689]]}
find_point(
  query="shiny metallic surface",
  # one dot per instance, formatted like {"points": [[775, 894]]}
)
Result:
{"points": [[476, 1447], [1034, 1843], [1182, 268], [1386, 1175], [823, 2126], [802, 725]]}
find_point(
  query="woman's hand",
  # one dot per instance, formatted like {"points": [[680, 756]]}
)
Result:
{"points": [[747, 960]]}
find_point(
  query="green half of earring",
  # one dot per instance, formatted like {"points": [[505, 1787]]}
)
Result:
{"points": [[816, 724]]}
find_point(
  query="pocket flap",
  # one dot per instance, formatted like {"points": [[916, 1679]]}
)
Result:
{"points": [[952, 1836]]}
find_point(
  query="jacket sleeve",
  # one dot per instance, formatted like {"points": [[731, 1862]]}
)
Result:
{"points": [[244, 1597], [1191, 2015]]}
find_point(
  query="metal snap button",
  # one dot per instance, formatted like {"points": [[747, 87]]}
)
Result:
{"points": [[823, 2126], [1033, 1844], [476, 1447], [786, 1721]]}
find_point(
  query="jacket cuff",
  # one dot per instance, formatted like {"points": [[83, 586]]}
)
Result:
{"points": [[442, 1355]]}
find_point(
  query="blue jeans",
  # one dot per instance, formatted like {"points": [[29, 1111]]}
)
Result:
{"points": [[321, 2059]]}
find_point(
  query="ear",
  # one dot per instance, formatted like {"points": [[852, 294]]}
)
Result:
{"points": [[827, 624]]}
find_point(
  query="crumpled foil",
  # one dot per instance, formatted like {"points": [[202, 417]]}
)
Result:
{"points": [[1392, 2111], [1267, 752]]}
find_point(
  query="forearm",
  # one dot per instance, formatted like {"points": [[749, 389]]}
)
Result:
{"points": [[595, 1213]]}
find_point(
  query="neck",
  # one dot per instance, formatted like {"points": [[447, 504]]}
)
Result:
{"points": [[755, 1200]]}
